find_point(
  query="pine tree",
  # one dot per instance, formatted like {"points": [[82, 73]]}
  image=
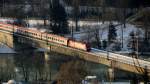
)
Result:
{"points": [[112, 34], [58, 18], [104, 43], [131, 45]]}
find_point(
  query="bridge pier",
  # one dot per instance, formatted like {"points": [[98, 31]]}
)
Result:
{"points": [[46, 55], [111, 74], [7, 39]]}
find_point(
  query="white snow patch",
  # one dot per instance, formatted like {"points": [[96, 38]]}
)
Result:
{"points": [[5, 49], [7, 20]]}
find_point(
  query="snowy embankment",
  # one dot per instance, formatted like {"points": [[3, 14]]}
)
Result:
{"points": [[5, 49]]}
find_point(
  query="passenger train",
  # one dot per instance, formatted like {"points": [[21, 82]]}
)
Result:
{"points": [[45, 36]]}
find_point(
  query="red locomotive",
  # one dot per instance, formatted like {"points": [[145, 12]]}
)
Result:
{"points": [[45, 36]]}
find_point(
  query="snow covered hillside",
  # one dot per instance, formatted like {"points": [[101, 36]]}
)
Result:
{"points": [[103, 32]]}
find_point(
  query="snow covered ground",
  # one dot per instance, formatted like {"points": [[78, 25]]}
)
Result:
{"points": [[5, 49], [103, 32], [6, 19]]}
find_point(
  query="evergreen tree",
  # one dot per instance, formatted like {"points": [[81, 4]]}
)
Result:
{"points": [[104, 43], [112, 34], [131, 45], [58, 18]]}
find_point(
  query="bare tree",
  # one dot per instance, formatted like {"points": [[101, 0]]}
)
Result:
{"points": [[146, 20], [76, 13], [93, 35], [103, 3], [44, 10], [72, 72]]}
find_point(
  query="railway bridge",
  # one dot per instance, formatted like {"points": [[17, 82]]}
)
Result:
{"points": [[116, 61]]}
